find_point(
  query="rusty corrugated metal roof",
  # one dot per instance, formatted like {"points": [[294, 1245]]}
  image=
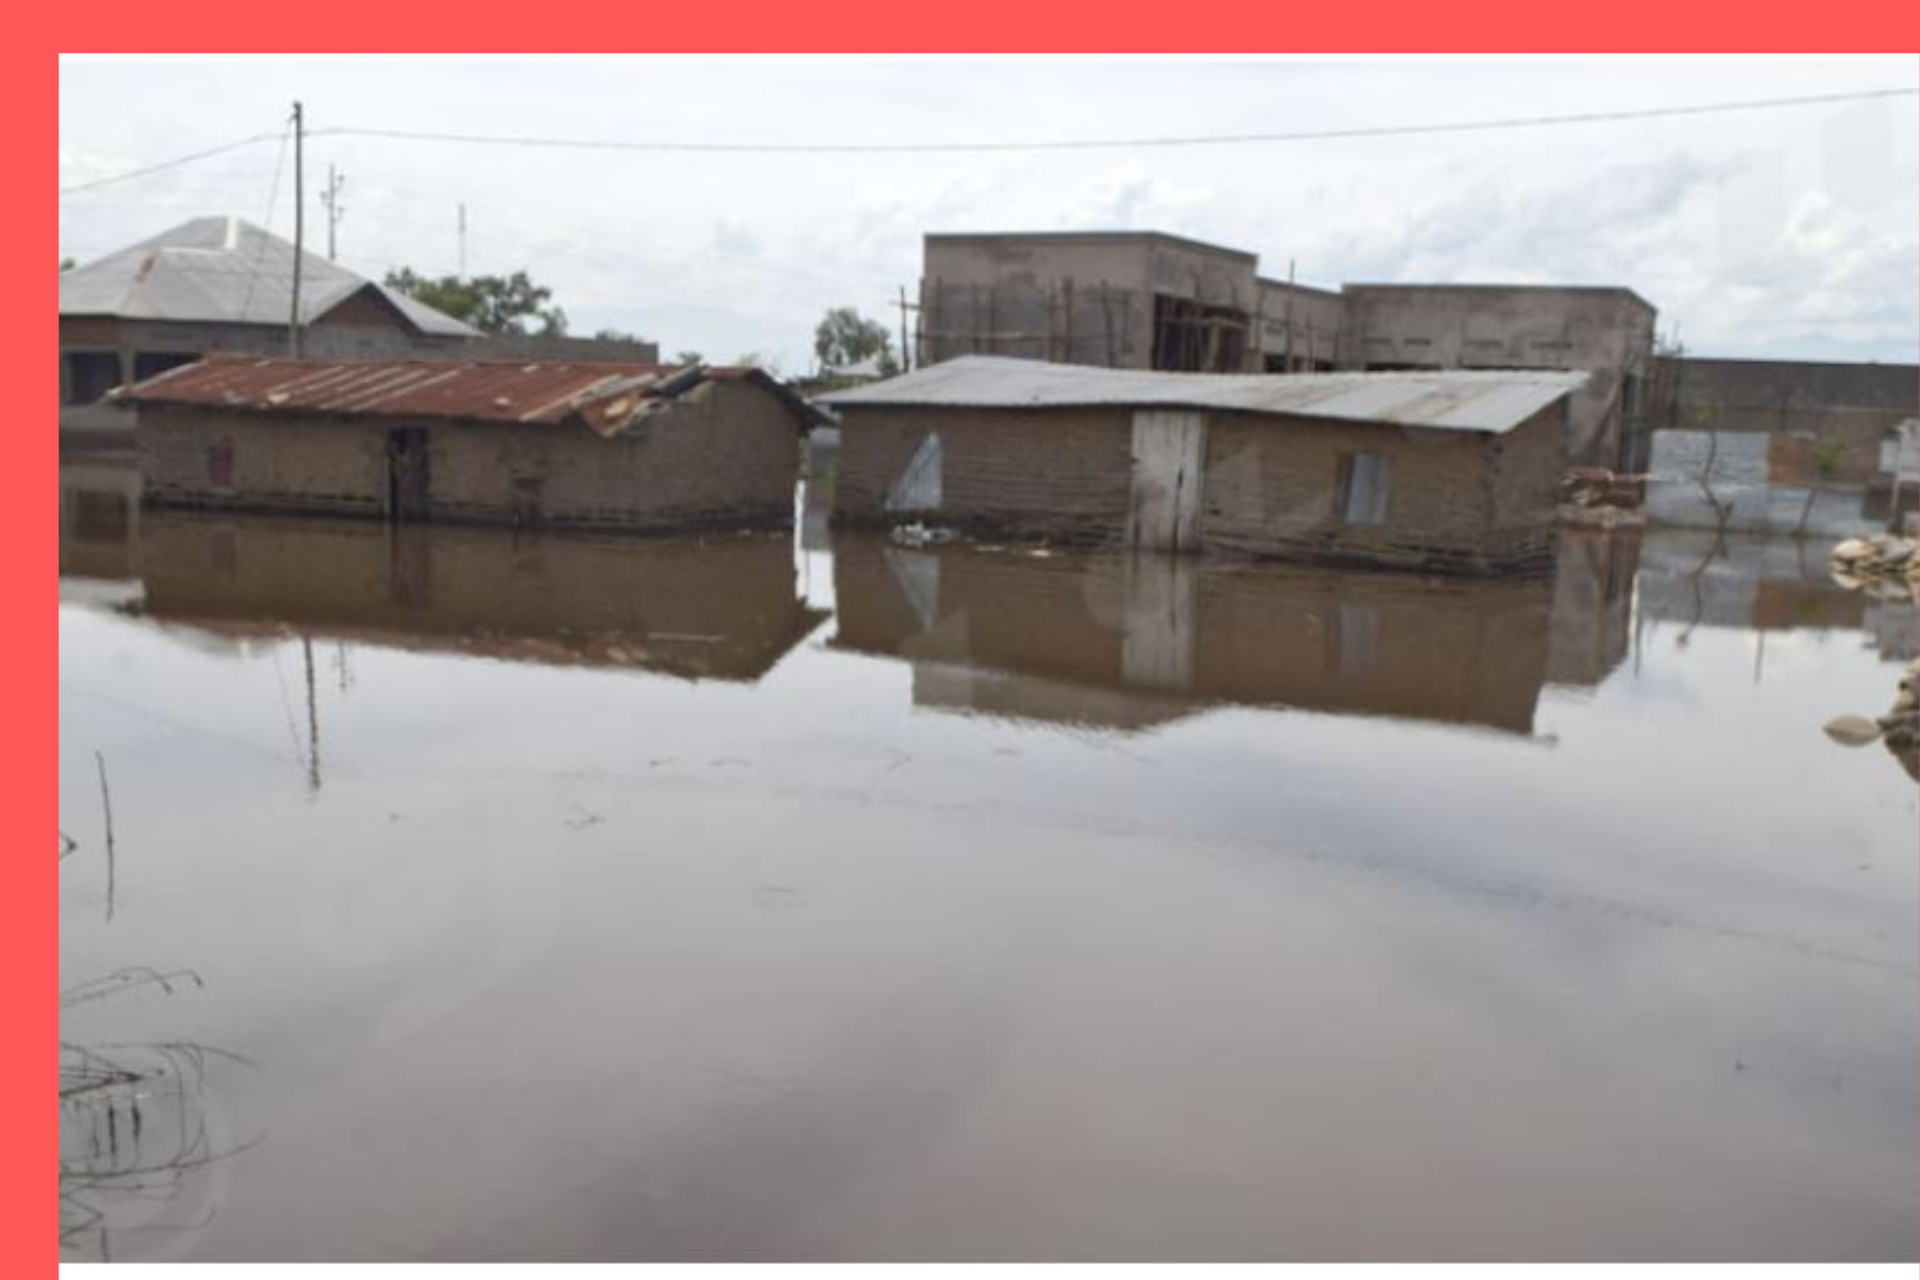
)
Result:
{"points": [[605, 397]]}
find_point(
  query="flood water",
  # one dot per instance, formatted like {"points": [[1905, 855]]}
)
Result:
{"points": [[543, 898]]}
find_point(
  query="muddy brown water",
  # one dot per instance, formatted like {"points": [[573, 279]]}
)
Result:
{"points": [[597, 899]]}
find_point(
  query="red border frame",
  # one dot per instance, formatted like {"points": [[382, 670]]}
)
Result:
{"points": [[31, 515]]}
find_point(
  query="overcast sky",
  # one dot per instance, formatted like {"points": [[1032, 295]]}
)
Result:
{"points": [[1792, 232]]}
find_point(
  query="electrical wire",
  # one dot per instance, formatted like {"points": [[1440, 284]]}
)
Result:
{"points": [[169, 164], [1110, 144], [1082, 144]]}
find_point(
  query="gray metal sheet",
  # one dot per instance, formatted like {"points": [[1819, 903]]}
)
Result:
{"points": [[1453, 400]]}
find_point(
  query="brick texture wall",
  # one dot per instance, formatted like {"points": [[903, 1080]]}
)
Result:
{"points": [[1457, 501], [1059, 473], [724, 455]]}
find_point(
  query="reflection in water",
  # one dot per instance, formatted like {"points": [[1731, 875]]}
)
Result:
{"points": [[1129, 642], [722, 609], [1693, 579], [140, 1152], [775, 965]]}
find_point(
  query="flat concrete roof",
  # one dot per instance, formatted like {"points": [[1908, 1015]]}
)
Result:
{"points": [[1268, 282], [1091, 237], [1511, 288]]}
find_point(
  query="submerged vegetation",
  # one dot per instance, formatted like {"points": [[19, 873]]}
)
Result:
{"points": [[136, 1145]]}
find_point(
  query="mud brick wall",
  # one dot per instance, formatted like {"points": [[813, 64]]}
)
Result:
{"points": [[1457, 500], [1060, 473], [724, 455], [278, 463]]}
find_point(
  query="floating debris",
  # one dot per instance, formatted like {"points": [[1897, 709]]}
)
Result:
{"points": [[1898, 729], [1883, 566], [920, 535]]}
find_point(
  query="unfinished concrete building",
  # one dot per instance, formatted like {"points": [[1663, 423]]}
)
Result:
{"points": [[1606, 332], [1147, 300], [1123, 300]]}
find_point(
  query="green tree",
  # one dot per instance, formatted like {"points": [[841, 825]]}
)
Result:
{"points": [[491, 304], [66, 264], [684, 358], [845, 338]]}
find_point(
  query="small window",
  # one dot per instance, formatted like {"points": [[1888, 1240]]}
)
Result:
{"points": [[90, 375], [1364, 481]]}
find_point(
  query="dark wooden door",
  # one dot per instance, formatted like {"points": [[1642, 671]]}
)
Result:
{"points": [[407, 486]]}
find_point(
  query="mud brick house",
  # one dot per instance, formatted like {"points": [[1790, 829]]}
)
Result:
{"points": [[611, 446], [1442, 470]]}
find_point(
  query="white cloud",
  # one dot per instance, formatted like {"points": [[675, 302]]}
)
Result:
{"points": [[1789, 232]]}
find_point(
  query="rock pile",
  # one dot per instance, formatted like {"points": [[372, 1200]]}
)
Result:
{"points": [[1899, 728], [1883, 566]]}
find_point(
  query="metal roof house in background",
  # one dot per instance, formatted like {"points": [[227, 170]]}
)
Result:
{"points": [[616, 446], [223, 284], [1441, 471]]}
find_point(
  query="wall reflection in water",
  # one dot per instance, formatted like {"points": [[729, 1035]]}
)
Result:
{"points": [[724, 608], [1125, 642]]}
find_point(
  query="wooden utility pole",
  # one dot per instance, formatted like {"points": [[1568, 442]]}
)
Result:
{"points": [[335, 211], [906, 352], [1289, 315], [299, 232]]}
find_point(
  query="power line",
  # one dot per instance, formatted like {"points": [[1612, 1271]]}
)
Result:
{"points": [[1084, 144], [169, 164], [1110, 144]]}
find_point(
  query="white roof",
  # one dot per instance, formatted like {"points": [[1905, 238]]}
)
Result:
{"points": [[228, 271], [1451, 400]]}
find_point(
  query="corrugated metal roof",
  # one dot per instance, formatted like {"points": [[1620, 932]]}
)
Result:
{"points": [[226, 271], [607, 397], [1451, 400]]}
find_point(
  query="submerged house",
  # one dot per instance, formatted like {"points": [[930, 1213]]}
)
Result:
{"points": [[613, 446], [1442, 470]]}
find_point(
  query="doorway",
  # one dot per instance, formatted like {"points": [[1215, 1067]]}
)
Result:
{"points": [[407, 473], [1169, 466]]}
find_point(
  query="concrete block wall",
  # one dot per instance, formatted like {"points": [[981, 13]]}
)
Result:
{"points": [[1608, 332]]}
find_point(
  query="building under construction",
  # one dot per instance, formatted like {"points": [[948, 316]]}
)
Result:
{"points": [[1151, 301]]}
